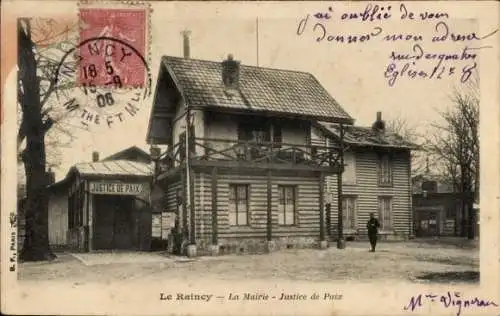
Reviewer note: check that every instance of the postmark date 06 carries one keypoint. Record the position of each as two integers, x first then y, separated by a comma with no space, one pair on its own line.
102,99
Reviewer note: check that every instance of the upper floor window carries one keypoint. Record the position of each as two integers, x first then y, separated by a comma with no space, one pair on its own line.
259,131
317,137
349,174
238,204
384,170
287,205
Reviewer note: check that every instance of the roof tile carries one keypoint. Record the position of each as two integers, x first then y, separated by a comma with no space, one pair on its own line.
114,167
260,89
365,136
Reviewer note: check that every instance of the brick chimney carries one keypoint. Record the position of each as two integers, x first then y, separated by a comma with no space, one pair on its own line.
230,72
95,156
379,124
185,43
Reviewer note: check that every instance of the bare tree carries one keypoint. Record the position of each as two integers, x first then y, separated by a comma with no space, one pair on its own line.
41,43
455,144
408,132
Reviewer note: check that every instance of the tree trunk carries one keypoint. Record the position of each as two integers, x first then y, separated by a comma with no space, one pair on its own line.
36,242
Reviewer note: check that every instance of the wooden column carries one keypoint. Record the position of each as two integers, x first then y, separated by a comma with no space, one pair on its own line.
340,221
269,206
184,203
90,219
328,214
192,209
340,224
321,206
214,207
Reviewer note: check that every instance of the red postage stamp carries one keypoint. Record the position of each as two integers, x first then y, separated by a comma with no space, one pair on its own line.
114,39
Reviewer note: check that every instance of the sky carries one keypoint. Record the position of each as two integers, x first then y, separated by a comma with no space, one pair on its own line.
352,73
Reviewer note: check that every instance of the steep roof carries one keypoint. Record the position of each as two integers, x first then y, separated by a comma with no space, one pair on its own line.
366,136
260,89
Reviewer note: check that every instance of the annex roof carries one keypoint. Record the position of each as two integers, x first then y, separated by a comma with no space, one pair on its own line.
114,168
260,89
366,136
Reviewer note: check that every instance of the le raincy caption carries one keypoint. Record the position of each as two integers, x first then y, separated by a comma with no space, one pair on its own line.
248,296
435,49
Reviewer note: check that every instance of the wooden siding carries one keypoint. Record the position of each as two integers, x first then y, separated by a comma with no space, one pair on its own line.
367,191
307,208
171,196
58,219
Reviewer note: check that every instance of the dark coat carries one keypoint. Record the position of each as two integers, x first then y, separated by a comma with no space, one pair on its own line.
372,226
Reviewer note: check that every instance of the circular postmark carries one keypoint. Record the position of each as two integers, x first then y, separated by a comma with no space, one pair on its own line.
102,81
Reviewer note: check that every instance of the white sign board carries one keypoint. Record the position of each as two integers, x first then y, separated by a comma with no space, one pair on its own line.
156,225
118,188
168,222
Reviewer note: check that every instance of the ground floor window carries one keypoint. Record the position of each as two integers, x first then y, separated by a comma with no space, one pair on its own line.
385,212
238,204
349,212
287,205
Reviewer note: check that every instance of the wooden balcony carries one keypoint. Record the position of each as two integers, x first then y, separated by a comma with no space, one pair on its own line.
225,153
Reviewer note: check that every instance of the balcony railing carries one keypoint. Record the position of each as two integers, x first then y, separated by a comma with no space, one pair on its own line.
223,150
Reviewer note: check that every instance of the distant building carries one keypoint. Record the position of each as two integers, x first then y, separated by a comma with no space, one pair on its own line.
438,209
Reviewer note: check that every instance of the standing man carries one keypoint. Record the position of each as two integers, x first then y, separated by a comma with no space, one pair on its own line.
372,227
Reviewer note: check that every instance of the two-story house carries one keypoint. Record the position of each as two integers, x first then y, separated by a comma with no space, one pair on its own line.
376,179
241,173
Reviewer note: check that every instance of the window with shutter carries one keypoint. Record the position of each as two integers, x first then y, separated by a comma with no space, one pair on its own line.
384,170
349,212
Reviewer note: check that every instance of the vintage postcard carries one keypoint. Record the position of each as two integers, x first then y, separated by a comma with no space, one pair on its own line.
250,158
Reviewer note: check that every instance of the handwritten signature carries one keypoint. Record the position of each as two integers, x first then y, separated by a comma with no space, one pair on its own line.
448,300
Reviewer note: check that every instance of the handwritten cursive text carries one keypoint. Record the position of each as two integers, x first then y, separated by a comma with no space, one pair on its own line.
447,300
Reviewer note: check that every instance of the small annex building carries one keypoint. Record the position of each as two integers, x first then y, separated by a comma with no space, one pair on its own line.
103,204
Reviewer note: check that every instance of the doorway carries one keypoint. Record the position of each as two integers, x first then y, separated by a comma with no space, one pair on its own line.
427,223
114,224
